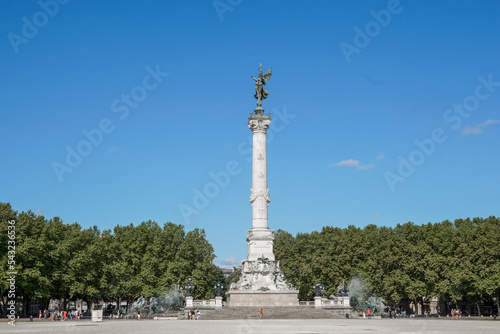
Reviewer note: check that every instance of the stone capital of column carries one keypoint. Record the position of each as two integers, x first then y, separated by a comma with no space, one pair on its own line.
259,125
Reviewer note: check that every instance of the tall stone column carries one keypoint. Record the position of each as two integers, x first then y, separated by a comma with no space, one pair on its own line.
259,237
261,283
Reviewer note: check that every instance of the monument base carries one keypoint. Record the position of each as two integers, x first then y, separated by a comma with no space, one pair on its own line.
261,284
262,298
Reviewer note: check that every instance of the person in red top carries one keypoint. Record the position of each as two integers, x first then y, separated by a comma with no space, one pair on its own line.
368,313
261,313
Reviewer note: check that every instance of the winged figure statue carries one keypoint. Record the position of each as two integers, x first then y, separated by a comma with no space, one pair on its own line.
260,92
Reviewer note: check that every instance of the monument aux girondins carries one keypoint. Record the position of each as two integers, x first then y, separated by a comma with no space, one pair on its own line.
261,283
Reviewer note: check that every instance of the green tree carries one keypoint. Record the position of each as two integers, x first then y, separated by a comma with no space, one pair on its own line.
85,267
194,258
6,215
488,259
34,273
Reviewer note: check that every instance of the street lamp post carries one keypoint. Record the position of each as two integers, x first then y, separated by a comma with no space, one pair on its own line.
319,289
189,287
218,288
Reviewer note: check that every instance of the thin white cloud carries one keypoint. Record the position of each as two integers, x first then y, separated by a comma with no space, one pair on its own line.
41,211
472,131
377,216
488,122
229,262
351,163
380,156
112,149
194,214
475,130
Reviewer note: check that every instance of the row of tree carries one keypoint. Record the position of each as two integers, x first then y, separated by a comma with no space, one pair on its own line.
457,261
452,261
65,261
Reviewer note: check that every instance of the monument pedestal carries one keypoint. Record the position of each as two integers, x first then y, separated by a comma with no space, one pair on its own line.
262,283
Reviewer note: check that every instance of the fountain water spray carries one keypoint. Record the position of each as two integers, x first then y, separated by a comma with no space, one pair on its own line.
168,302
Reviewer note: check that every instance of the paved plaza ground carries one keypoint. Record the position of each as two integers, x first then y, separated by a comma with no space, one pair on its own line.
442,325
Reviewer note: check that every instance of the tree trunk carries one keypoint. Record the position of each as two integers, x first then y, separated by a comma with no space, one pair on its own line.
26,305
4,304
45,304
130,302
498,303
478,309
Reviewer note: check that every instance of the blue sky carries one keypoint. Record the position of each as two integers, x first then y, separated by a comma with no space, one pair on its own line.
383,112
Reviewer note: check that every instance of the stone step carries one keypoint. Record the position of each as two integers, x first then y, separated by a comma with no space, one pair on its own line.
275,312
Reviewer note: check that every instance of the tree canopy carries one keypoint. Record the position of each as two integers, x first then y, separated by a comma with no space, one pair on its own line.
454,261
58,260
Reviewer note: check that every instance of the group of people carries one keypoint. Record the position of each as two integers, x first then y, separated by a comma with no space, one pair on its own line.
58,315
367,313
192,315
456,313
